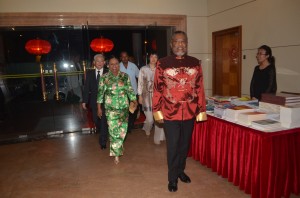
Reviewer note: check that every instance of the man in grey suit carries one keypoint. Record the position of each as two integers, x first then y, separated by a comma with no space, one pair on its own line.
90,97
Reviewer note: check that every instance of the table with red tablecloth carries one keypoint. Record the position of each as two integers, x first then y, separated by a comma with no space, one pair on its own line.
263,164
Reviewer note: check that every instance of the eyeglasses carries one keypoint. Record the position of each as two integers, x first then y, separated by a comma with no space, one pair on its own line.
259,54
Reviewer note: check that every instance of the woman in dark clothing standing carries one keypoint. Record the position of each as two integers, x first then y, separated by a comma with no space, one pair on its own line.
264,75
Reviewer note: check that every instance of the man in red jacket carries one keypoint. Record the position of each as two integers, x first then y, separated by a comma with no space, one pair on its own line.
178,99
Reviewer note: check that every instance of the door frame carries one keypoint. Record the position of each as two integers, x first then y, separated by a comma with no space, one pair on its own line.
238,30
103,19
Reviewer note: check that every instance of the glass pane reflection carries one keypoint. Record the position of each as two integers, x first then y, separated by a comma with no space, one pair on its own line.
23,111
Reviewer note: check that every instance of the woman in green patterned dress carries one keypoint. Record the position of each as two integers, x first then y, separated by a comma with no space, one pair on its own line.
115,92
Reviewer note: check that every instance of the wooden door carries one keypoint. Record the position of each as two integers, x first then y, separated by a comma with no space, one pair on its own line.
227,62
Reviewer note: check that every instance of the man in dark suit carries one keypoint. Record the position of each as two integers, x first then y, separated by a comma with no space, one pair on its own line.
90,97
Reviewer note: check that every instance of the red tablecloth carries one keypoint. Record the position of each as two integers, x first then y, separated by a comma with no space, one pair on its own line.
263,164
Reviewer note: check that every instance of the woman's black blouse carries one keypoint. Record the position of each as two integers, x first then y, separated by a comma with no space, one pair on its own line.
263,81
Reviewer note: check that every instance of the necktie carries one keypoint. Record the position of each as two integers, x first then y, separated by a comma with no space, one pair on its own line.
98,76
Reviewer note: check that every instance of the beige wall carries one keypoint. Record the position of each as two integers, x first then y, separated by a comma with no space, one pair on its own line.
106,6
271,22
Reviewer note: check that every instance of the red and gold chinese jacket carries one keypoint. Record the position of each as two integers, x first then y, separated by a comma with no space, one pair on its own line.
178,92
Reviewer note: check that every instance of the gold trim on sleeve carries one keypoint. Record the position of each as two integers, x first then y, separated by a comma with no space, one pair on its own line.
201,117
158,115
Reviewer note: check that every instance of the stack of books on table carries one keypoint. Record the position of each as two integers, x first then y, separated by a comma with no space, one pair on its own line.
221,101
245,101
247,117
281,99
266,125
272,110
290,116
219,112
232,113
269,107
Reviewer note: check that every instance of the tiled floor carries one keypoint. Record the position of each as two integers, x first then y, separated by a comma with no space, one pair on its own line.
74,166
33,119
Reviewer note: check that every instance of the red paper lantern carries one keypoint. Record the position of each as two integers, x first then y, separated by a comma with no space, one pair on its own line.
102,45
38,46
153,45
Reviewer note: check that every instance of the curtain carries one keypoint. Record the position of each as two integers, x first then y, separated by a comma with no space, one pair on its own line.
263,164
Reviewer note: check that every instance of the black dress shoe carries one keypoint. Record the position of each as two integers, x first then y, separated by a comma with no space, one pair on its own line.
184,178
103,147
172,186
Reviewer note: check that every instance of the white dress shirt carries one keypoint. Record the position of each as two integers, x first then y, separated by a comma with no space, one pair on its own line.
96,72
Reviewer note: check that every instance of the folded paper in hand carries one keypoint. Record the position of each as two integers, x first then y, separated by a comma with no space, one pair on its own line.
132,107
